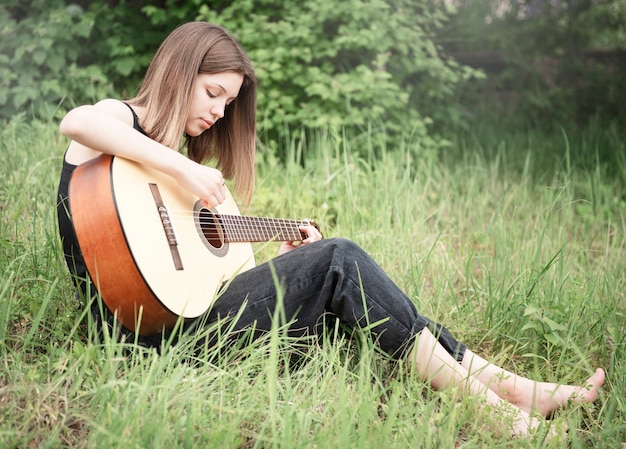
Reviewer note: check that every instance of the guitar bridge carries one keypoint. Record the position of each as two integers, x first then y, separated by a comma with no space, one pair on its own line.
168,226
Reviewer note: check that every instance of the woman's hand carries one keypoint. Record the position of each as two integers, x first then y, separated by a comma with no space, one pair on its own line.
107,127
205,182
313,235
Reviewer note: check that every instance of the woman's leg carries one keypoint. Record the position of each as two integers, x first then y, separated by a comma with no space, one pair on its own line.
527,394
337,277
334,278
477,377
436,366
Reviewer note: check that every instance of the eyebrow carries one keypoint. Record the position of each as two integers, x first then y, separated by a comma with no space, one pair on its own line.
222,88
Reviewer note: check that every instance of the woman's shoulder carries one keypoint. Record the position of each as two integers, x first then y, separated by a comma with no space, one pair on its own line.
115,107
110,106
82,118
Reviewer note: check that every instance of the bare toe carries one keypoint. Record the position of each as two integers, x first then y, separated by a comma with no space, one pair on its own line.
589,392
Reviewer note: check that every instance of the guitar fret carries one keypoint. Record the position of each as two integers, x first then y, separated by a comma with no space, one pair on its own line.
296,231
230,228
264,233
246,232
295,234
288,230
241,228
266,228
278,231
285,229
238,228
253,229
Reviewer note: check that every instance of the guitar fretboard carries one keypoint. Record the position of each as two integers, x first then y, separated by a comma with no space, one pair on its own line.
238,228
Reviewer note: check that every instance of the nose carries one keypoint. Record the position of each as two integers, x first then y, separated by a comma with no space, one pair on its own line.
218,109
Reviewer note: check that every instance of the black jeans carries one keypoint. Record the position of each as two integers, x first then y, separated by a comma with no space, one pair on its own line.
332,278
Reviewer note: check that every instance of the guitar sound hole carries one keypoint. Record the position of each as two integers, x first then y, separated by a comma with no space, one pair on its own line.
210,229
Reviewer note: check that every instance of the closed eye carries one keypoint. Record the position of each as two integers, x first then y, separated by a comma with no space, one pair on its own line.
210,94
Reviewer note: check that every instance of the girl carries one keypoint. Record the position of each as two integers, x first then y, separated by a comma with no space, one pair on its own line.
201,85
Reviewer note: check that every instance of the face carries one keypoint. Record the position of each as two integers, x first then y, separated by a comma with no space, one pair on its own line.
212,93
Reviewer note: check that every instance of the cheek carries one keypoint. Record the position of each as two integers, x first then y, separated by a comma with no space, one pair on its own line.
191,115
199,96
193,107
190,129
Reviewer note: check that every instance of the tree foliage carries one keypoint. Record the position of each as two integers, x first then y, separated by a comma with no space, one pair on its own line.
565,59
346,66
55,52
42,58
321,64
343,64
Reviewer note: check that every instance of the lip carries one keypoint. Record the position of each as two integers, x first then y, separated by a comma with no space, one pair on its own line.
207,123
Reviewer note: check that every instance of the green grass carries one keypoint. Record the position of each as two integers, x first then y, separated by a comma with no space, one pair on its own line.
515,242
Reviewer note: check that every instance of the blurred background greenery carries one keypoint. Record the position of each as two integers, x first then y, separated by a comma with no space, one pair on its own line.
416,68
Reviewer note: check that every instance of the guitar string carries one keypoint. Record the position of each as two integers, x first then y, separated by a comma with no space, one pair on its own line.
244,235
240,228
238,219
227,237
237,222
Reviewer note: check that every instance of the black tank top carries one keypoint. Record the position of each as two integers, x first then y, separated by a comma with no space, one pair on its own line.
71,250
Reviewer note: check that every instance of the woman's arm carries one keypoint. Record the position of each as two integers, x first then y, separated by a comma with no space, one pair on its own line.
107,127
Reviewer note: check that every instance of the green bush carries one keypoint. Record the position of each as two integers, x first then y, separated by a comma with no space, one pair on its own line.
563,60
43,56
349,66
69,53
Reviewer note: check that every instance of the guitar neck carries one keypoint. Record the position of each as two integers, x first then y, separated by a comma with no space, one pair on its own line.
239,228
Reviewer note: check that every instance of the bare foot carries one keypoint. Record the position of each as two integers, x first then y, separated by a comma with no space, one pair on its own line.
545,397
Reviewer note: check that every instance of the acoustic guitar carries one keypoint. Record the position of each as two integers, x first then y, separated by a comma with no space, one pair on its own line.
153,252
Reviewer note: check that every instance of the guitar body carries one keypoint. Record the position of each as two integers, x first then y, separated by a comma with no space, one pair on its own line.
145,246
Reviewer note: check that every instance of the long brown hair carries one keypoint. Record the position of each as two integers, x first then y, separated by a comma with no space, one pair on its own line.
165,93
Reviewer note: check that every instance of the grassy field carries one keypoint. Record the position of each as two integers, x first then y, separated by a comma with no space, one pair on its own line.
515,241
